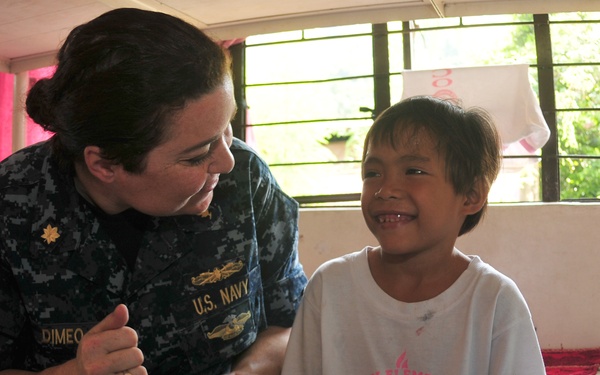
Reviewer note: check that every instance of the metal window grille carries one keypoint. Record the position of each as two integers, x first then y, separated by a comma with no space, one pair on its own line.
380,97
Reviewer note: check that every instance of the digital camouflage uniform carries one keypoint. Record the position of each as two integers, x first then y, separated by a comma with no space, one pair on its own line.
201,290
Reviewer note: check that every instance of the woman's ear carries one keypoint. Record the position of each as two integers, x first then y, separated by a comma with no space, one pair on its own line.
101,168
476,197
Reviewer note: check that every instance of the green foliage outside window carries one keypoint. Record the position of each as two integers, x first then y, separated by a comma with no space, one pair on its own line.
577,89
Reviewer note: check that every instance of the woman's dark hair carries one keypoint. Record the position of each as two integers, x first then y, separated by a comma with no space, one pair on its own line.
118,80
467,141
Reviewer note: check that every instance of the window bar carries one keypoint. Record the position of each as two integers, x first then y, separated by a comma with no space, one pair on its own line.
550,171
238,57
381,68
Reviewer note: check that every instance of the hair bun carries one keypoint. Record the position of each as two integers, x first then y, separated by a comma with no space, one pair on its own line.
40,106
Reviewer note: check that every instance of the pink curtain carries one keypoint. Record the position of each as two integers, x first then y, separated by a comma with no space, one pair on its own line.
34,132
6,108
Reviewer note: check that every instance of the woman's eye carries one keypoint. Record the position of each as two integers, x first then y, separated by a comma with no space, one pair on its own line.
198,160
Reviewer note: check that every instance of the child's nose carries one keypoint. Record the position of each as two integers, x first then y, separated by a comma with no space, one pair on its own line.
390,190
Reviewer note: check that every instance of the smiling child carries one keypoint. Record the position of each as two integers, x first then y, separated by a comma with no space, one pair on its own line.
415,303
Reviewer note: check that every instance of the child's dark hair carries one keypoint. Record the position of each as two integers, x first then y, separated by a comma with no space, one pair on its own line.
466,139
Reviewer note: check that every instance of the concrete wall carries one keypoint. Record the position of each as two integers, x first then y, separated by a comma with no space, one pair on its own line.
552,252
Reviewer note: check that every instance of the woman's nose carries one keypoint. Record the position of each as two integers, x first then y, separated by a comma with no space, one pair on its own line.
223,161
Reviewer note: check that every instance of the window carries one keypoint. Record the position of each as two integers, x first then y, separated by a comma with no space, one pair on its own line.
311,96
576,74
302,89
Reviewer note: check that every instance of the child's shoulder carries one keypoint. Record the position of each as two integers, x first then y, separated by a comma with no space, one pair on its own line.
491,278
343,262
493,285
338,276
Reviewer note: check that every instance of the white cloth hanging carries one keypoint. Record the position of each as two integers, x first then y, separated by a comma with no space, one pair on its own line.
503,90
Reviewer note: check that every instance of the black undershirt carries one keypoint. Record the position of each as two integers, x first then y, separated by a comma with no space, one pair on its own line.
125,229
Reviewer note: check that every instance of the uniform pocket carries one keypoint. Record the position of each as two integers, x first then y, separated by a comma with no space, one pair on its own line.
220,338
228,316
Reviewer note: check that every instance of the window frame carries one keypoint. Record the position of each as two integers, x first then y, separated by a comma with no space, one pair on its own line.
549,157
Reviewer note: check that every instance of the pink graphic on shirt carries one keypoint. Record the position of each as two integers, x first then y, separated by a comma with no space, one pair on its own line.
401,368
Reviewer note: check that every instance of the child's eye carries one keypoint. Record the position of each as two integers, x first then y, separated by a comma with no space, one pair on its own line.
368,174
415,171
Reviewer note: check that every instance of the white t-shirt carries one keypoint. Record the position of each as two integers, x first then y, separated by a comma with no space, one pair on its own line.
348,325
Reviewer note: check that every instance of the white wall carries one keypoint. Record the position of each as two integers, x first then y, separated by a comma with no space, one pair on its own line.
551,251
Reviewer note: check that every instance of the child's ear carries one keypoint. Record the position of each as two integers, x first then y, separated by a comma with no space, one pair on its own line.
103,169
476,197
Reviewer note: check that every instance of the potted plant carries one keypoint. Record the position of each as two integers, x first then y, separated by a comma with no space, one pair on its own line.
336,143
